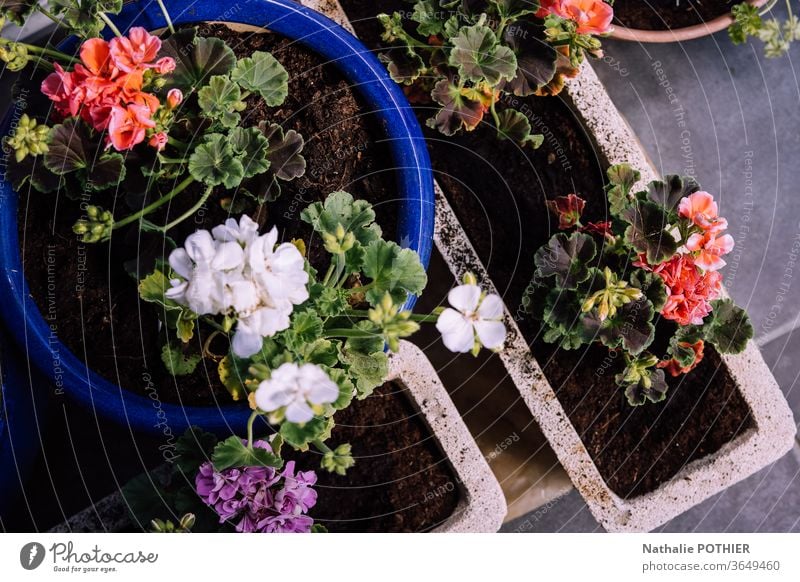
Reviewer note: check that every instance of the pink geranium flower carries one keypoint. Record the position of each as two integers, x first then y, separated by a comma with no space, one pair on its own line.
591,16
689,290
128,126
710,249
158,141
136,51
702,210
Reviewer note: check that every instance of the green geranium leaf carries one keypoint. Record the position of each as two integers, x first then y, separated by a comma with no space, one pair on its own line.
322,351
306,328
652,286
83,16
536,58
214,162
177,362
284,152
404,64
621,178
346,388
221,100
669,192
232,452
393,270
339,208
479,56
729,327
299,436
17,11
153,288
197,59
647,231
427,16
32,170
331,301
233,373
263,74
193,449
458,110
515,8
72,151
251,146
516,127
365,345
567,258
747,22
652,387
631,327
369,370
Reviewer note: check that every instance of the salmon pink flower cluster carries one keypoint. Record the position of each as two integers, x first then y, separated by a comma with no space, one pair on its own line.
590,16
656,262
106,89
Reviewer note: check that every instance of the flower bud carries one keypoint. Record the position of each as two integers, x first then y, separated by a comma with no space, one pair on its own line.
165,65
158,140
174,98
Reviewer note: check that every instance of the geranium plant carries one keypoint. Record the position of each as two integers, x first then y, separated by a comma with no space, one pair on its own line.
142,120
471,57
302,346
751,21
645,284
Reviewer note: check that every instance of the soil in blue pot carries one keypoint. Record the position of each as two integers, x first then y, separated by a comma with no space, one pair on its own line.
94,298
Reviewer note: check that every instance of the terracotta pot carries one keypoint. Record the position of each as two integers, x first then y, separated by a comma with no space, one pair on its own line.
678,34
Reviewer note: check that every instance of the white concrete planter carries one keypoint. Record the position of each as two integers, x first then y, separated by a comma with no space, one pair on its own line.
482,506
774,430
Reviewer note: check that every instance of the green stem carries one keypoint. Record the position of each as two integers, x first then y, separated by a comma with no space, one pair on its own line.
153,205
418,317
166,160
214,324
361,289
181,145
495,116
322,447
350,333
328,275
110,24
190,212
49,14
39,50
166,16
250,422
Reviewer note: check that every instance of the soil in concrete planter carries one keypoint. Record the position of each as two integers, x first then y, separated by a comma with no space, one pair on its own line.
90,298
401,481
668,14
498,193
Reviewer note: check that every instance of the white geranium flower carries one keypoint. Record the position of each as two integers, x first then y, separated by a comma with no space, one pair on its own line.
297,389
473,320
280,269
238,273
245,231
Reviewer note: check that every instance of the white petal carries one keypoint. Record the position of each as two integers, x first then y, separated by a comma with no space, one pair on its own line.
200,247
270,396
229,256
492,334
457,332
491,307
181,263
242,296
465,297
269,320
177,292
299,411
246,342
320,389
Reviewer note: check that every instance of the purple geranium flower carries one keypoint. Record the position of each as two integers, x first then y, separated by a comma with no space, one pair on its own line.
259,499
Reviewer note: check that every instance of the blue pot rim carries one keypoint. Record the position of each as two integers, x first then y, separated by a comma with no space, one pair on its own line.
415,223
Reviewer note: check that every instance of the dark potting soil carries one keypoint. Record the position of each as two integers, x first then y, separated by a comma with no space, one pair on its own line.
498,192
91,301
668,14
401,481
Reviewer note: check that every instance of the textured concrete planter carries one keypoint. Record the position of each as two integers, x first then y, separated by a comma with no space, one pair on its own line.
482,507
775,429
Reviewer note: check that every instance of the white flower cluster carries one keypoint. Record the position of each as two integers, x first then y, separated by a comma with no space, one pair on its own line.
234,271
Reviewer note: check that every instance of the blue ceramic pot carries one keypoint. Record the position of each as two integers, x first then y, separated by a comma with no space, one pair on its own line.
23,404
415,190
